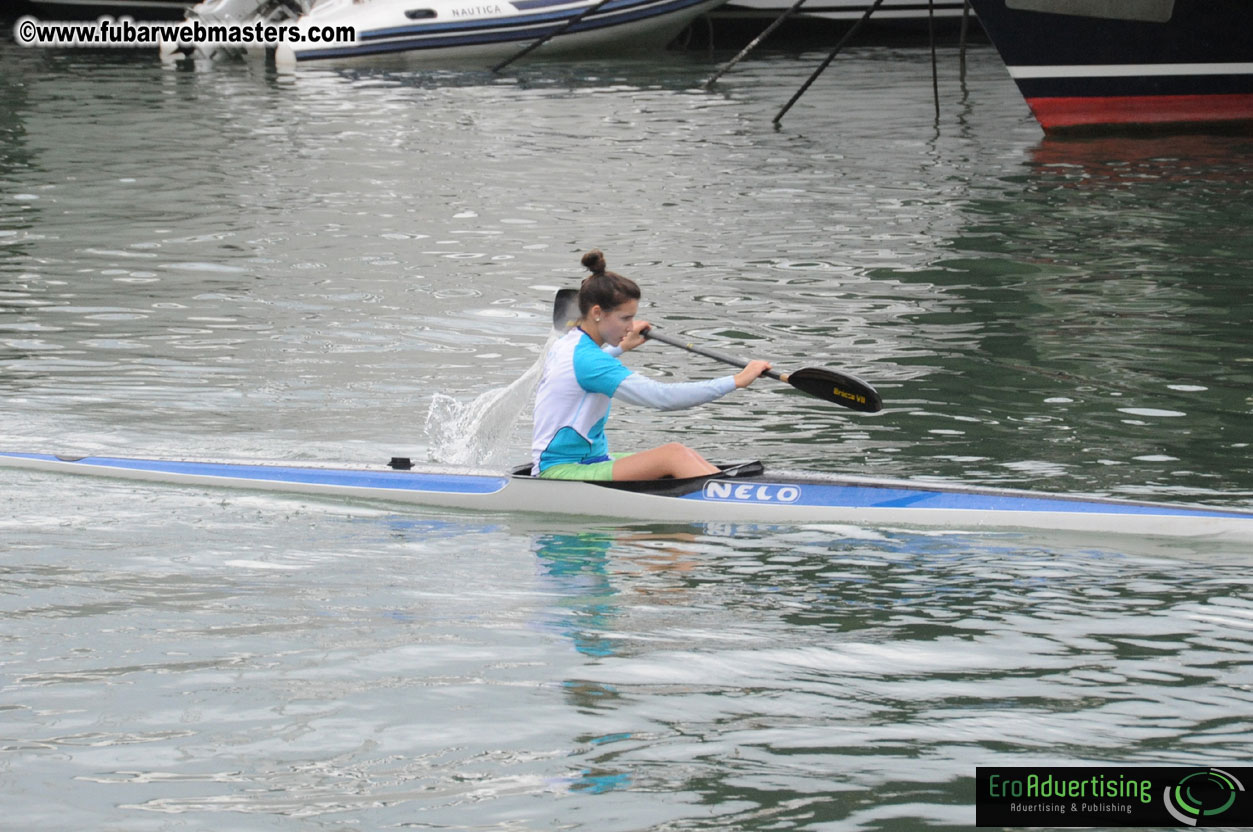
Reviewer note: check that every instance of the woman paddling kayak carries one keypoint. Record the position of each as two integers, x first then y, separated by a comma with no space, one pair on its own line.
582,374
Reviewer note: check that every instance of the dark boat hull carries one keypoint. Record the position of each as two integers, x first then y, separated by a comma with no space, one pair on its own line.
1182,62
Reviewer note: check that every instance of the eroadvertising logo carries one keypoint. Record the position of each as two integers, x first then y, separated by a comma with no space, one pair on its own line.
1113,796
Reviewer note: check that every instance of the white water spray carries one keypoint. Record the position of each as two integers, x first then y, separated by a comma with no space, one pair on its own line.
481,432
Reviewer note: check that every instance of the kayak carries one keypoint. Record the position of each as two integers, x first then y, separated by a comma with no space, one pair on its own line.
746,492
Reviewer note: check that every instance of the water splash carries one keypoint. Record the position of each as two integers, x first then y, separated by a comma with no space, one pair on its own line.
481,432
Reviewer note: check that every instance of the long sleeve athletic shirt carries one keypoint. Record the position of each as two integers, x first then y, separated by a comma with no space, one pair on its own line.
574,393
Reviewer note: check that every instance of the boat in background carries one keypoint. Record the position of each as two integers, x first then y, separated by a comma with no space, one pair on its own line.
1093,65
745,492
458,32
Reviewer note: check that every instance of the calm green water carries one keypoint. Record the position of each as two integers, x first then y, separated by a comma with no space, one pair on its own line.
229,264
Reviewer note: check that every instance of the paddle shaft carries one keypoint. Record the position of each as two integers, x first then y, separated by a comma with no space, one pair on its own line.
708,353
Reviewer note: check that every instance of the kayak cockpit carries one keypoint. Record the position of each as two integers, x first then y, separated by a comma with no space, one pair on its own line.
669,486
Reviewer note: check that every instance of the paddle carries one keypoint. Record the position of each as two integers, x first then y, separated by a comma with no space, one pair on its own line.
838,388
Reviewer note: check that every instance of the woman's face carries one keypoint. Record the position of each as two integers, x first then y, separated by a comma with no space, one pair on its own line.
616,323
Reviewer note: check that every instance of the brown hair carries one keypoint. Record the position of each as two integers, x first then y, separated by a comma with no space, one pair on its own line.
604,289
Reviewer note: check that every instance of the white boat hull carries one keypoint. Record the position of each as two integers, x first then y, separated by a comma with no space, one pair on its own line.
761,498
450,32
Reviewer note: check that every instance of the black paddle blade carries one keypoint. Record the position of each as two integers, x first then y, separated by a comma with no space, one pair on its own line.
838,388
566,309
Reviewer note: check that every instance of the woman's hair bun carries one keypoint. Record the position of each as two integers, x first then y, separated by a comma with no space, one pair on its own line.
604,288
594,261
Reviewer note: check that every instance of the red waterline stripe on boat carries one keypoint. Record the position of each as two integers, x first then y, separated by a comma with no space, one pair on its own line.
1093,111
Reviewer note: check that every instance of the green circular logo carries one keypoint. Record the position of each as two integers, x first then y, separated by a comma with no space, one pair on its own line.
1202,795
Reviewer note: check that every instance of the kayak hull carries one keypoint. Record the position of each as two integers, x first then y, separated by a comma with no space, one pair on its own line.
758,497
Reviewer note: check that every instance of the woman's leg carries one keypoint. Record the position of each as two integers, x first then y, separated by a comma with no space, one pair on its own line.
673,460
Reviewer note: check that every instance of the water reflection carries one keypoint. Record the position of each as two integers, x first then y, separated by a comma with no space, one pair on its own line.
1122,161
576,566
579,569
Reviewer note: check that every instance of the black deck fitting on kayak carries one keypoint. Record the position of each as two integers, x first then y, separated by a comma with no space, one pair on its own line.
400,463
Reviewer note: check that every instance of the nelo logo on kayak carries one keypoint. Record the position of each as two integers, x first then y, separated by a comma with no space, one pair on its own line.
751,492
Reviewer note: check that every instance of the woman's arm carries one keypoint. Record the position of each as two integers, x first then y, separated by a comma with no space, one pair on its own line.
645,392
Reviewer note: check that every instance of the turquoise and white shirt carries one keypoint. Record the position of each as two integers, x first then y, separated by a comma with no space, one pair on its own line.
574,393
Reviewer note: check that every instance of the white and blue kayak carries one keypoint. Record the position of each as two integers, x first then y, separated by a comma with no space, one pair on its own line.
743,493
